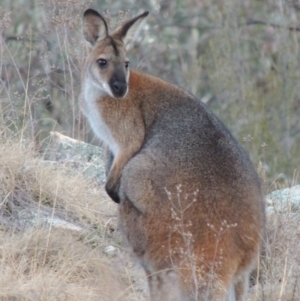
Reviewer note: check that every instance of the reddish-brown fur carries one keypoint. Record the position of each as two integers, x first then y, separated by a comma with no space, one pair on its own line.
191,205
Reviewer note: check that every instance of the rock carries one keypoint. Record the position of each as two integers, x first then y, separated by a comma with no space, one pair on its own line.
79,156
35,217
89,171
284,200
111,250
62,148
280,260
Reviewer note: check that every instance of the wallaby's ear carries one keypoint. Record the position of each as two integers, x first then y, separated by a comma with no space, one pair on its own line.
127,31
94,26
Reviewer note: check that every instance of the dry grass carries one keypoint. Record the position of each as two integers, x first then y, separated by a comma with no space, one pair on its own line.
54,264
280,264
26,180
47,263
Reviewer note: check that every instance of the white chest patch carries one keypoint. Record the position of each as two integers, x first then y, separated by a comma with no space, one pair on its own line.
91,95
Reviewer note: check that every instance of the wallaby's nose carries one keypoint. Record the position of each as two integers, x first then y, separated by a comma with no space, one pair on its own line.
119,88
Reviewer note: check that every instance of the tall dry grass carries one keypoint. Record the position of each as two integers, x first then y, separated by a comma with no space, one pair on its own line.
52,264
43,261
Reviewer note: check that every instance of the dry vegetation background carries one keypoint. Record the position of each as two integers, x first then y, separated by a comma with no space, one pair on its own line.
241,57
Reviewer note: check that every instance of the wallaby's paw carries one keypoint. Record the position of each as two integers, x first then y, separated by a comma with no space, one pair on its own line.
112,190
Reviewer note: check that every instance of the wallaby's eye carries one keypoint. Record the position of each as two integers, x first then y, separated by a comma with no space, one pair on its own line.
102,63
126,65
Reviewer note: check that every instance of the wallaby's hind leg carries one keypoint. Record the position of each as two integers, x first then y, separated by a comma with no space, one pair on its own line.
241,288
163,286
231,293
175,285
213,294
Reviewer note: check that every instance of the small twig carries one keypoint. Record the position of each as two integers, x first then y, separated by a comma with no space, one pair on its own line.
190,26
19,39
259,22
247,23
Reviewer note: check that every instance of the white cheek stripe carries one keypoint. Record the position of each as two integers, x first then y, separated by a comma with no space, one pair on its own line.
95,79
107,89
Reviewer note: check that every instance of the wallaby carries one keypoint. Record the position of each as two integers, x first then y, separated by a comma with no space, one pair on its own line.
191,206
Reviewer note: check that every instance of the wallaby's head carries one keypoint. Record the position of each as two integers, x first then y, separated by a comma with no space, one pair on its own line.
107,65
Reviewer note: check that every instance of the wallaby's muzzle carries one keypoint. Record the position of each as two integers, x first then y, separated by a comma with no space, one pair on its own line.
119,89
118,84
